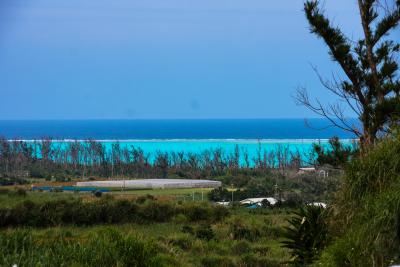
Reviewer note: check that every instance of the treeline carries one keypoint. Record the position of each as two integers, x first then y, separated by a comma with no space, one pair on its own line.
86,159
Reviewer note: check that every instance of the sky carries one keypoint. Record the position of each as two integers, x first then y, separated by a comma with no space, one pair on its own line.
161,59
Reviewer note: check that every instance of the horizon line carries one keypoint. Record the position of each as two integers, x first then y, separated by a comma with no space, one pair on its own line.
166,119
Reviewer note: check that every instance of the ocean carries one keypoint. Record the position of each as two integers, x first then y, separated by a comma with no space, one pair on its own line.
189,136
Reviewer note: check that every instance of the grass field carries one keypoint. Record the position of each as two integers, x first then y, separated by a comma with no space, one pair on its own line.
186,194
245,238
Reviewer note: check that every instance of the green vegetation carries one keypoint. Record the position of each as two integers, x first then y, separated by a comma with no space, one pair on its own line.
169,233
336,155
107,247
105,210
365,215
363,220
88,160
369,82
307,234
361,226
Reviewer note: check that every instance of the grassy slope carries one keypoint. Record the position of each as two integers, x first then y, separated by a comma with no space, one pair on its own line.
365,221
260,248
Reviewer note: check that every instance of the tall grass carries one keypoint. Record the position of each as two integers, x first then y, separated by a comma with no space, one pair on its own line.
365,218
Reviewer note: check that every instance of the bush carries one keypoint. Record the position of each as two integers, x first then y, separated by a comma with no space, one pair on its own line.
97,193
142,199
252,260
182,241
240,230
157,211
241,247
217,261
337,155
188,229
219,194
103,211
292,201
307,234
205,232
365,219
204,212
19,192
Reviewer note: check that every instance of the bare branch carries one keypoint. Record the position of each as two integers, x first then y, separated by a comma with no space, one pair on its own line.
333,113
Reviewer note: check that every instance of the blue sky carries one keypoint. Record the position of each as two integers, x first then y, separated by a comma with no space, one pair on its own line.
164,59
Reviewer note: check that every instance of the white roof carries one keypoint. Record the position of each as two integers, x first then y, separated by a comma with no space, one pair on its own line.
317,204
257,200
153,183
224,203
307,169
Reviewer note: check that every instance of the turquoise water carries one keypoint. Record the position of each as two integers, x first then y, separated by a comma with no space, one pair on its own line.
251,147
188,136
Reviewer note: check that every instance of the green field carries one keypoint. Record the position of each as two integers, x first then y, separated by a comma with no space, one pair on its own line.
174,192
244,238
185,194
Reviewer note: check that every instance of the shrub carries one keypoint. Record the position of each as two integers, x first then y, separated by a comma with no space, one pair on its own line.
204,212
252,260
187,229
217,261
20,192
4,191
205,232
337,155
157,211
241,247
307,234
142,199
97,193
182,241
219,194
240,230
365,219
197,212
106,210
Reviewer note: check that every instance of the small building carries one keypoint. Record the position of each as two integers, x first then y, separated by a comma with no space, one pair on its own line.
304,170
258,201
317,204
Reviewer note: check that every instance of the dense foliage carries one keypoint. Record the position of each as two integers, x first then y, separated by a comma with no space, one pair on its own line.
105,211
192,238
294,190
307,234
365,216
370,86
336,155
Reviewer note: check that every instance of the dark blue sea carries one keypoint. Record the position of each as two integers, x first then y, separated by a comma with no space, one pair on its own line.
170,129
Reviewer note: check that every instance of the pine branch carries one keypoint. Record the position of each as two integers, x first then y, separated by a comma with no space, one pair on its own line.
337,43
388,23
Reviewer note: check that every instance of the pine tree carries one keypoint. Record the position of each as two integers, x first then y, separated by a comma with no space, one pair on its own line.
371,85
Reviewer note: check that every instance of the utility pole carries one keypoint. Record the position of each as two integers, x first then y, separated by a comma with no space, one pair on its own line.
123,183
232,195
276,193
